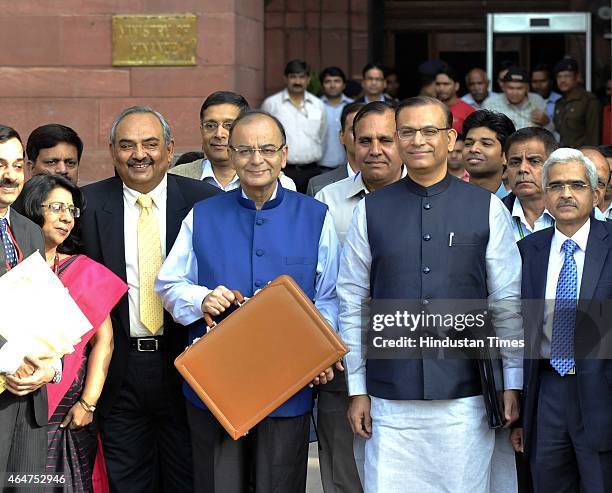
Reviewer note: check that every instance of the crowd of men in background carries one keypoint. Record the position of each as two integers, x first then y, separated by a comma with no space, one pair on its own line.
340,151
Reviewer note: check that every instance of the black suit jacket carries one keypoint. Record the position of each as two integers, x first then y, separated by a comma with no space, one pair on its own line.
594,375
29,239
103,241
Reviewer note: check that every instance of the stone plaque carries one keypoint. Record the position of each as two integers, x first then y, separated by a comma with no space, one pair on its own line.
154,40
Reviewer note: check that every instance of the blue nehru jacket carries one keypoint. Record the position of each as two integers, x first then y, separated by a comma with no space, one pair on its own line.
411,260
241,247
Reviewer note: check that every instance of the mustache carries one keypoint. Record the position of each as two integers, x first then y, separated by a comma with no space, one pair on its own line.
563,202
8,183
139,162
518,182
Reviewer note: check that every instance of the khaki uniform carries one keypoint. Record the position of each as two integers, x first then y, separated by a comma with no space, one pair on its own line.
577,119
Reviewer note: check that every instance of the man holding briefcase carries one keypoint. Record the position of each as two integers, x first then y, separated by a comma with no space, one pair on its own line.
243,239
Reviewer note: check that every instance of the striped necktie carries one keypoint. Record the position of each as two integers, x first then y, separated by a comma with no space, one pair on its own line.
10,251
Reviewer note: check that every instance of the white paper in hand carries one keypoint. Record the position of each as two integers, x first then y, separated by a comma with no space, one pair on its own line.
39,316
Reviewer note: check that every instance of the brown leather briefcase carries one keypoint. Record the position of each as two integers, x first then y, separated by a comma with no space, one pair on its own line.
258,357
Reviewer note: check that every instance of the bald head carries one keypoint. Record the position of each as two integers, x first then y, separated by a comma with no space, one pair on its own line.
603,174
478,84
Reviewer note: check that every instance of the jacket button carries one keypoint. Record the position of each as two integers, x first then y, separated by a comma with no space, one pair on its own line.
427,237
426,270
259,252
259,221
258,284
427,206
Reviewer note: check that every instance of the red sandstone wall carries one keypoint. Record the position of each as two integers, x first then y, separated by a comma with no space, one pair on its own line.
55,66
322,32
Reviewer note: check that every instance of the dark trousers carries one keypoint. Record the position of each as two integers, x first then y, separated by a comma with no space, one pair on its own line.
563,462
273,457
145,435
302,174
23,444
336,459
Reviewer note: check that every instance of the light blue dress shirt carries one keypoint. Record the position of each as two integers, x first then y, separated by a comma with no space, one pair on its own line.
333,151
503,268
177,281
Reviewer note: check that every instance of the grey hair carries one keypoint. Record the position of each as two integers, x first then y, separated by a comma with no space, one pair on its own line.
565,155
140,109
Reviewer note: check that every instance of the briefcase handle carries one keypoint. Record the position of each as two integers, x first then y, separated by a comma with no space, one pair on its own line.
239,301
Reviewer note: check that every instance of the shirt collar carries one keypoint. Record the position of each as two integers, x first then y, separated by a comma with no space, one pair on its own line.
517,211
430,191
308,98
7,216
157,194
359,187
349,170
208,172
344,99
580,237
520,106
275,199
368,100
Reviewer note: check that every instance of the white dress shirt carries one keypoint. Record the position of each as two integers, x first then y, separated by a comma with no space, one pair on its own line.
305,126
555,262
208,175
334,153
349,170
521,227
503,272
177,282
469,99
341,197
131,213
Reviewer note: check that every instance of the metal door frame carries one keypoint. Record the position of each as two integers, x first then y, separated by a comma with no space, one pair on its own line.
538,23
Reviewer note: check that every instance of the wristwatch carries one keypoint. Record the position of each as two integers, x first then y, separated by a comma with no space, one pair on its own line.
57,376
85,405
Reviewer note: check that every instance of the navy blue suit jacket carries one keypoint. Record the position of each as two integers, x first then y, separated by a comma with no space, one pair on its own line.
594,375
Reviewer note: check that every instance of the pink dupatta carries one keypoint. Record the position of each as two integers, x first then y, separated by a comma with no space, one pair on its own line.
96,290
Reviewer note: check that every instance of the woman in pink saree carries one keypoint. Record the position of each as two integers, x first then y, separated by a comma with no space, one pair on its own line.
54,203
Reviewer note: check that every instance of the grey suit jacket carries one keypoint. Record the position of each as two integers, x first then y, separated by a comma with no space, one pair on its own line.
29,239
316,183
190,170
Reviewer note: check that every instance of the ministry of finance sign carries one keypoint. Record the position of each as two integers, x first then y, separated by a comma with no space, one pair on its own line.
140,40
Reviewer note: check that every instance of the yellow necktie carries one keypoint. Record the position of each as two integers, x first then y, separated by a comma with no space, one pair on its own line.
149,263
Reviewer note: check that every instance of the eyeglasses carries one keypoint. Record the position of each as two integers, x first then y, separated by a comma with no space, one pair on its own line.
58,207
375,79
210,127
245,152
53,163
408,133
574,186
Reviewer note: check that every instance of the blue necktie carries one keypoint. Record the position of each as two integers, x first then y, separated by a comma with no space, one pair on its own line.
9,249
564,319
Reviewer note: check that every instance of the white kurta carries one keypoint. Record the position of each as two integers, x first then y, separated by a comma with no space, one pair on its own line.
429,447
